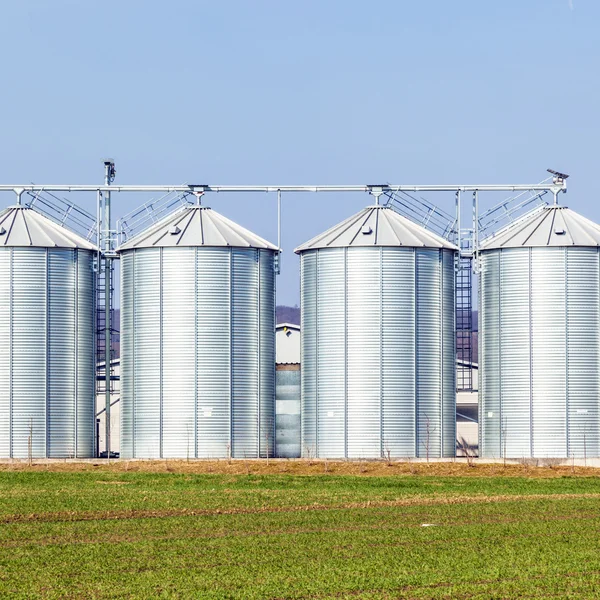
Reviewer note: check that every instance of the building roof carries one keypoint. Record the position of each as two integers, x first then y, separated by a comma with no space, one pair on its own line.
288,325
24,227
376,226
196,226
546,226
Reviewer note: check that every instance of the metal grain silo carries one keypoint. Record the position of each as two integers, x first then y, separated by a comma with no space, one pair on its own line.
197,339
539,337
378,340
47,336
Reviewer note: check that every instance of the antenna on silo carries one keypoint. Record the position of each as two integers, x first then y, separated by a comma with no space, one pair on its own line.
558,179
558,176
109,170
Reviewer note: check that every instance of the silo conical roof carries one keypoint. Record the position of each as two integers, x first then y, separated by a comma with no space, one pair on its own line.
196,226
546,226
376,226
23,226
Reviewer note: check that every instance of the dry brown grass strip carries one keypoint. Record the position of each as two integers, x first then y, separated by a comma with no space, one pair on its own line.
362,468
110,515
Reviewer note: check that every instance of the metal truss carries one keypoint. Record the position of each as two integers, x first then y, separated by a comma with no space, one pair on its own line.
423,212
151,212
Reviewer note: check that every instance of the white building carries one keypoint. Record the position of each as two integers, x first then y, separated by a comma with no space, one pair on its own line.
287,390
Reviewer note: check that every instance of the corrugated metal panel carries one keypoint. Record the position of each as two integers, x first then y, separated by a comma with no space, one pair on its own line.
489,356
85,298
5,350
548,352
583,352
147,368
448,324
213,351
61,344
245,353
376,226
364,372
374,332
178,352
127,357
514,416
330,410
267,353
398,348
29,354
309,352
203,351
46,361
429,353
539,343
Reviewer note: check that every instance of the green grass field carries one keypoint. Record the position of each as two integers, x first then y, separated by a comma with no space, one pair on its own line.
108,533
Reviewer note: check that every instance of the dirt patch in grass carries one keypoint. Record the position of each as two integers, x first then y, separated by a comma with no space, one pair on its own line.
308,467
113,482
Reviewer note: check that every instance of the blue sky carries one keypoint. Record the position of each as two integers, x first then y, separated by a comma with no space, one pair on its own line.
278,92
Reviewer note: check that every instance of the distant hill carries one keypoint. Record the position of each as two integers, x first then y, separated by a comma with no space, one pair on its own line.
288,314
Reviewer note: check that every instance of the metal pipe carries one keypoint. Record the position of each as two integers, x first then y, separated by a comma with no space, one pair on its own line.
458,220
467,418
476,231
278,218
99,199
112,404
283,188
108,175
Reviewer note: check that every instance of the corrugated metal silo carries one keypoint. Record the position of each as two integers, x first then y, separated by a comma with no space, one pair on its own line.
378,340
539,337
47,336
197,339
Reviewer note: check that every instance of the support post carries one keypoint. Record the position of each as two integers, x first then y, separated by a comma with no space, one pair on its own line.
109,176
476,232
278,232
458,220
